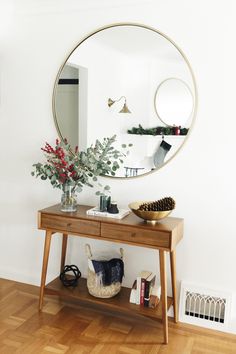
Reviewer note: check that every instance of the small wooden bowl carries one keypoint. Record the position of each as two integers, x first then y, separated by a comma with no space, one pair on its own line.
148,216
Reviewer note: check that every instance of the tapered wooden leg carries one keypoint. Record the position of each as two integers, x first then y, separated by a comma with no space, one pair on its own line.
47,243
63,250
173,281
162,255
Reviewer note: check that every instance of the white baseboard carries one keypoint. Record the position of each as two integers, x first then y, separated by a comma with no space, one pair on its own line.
23,277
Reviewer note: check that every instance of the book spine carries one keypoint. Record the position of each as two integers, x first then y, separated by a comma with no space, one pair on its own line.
138,292
142,291
148,288
147,294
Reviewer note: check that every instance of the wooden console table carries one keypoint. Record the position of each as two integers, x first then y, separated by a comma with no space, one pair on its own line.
163,236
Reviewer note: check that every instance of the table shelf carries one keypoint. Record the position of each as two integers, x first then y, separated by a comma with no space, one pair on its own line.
120,302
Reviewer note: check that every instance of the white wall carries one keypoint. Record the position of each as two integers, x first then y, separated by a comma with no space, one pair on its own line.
35,38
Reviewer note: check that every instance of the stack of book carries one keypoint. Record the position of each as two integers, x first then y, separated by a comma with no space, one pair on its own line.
144,292
96,212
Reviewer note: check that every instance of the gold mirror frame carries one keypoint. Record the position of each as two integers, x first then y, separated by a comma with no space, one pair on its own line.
195,95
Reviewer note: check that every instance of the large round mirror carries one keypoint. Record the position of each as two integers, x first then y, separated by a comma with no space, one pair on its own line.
174,103
107,86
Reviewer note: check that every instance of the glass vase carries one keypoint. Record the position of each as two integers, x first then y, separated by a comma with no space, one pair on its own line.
104,202
68,199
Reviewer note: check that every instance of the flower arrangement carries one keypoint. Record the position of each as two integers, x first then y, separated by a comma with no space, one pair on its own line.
66,168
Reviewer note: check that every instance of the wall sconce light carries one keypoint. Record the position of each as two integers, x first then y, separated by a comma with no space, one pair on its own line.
124,109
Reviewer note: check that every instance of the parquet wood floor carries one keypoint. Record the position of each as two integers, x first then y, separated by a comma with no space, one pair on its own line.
67,328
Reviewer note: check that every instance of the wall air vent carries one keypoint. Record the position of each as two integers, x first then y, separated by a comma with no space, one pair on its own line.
204,307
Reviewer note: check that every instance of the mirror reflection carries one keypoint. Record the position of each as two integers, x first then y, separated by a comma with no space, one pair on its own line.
179,112
128,61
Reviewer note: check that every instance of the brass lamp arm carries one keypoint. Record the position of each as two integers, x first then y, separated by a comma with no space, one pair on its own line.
110,101
120,99
124,109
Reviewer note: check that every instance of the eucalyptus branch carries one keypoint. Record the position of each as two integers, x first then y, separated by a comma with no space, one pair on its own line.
78,168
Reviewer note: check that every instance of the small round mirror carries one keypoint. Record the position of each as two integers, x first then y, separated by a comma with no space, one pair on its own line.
174,103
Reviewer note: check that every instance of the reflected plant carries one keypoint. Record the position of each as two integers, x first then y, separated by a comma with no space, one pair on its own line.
160,130
64,167
104,190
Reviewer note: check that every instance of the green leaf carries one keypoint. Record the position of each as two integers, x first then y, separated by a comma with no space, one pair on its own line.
53,178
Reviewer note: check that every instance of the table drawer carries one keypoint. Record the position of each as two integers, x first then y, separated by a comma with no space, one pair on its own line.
61,223
136,235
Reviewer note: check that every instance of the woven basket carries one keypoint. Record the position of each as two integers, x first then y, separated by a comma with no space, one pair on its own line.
95,288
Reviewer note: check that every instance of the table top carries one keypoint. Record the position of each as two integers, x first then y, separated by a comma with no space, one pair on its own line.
168,224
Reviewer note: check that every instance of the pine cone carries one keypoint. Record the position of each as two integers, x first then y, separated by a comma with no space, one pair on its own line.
163,204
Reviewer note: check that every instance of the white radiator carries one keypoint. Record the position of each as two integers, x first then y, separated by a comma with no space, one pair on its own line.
204,307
